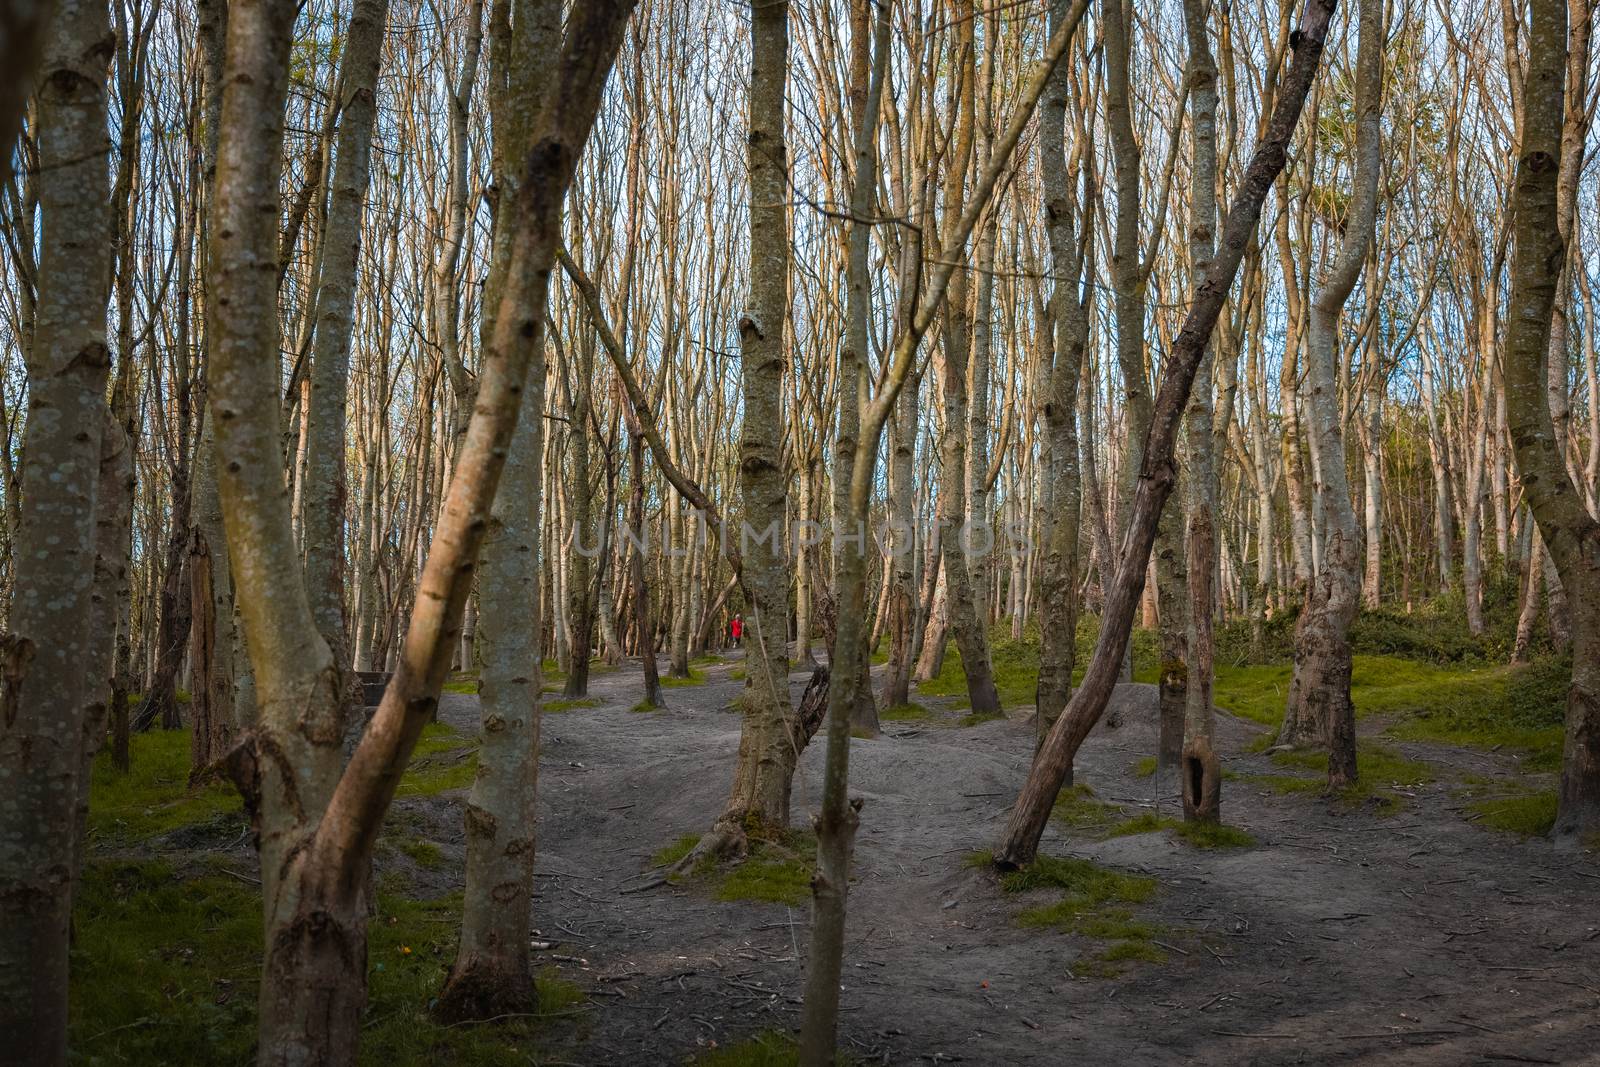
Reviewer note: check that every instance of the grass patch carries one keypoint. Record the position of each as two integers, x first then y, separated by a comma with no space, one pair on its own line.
674,852
775,873
770,1048
443,760
736,674
154,797
1213,835
1384,775
556,707
644,707
905,713
1016,670
1086,884
1094,904
423,853
166,966
1528,814
1145,767
978,720
695,678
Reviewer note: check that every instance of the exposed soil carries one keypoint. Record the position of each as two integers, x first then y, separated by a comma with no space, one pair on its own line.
1343,936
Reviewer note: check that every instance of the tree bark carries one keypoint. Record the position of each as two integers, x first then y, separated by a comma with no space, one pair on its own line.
1320,710
1020,842
1570,533
50,659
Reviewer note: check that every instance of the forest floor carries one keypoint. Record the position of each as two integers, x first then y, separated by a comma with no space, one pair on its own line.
1382,926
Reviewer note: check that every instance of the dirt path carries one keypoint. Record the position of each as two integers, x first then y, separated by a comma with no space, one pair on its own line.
1342,936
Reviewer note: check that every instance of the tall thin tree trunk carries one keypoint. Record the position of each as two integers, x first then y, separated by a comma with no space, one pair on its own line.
1019,844
51,657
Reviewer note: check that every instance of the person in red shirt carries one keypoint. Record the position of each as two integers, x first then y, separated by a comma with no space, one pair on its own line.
736,628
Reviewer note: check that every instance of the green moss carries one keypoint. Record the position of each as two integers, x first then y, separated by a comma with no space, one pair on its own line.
1016,670
978,720
443,760
736,674
905,713
1086,884
695,678
166,964
1384,776
1213,835
674,852
1145,768
1132,950
556,707
163,969
776,871
154,797
644,707
1254,693
1528,814
772,881
423,853
771,1048
881,655
1095,820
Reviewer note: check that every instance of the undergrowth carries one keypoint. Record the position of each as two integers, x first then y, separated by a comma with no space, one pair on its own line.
777,870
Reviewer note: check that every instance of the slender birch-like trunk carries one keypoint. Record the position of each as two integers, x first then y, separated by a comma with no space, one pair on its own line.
1020,842
52,655
1320,710
1571,534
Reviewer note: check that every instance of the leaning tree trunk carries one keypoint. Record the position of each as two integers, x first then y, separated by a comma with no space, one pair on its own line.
1570,533
1020,842
51,656
318,826
1320,710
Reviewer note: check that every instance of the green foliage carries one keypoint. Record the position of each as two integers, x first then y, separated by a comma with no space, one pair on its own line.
1528,814
443,760
154,797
